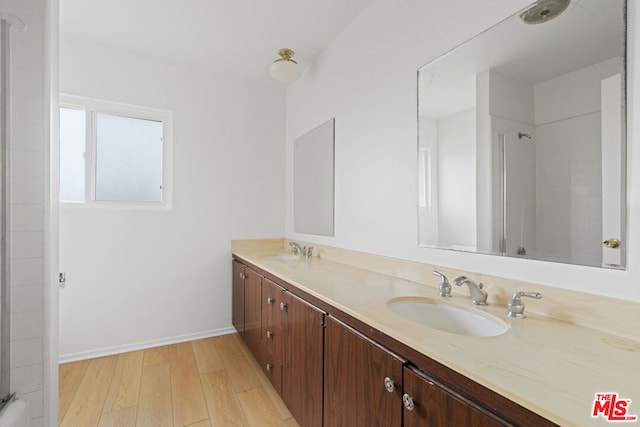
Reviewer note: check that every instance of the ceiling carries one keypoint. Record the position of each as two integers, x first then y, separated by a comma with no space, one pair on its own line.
588,32
230,36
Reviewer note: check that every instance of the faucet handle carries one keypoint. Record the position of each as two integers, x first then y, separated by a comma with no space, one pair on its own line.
444,288
440,275
307,252
515,306
294,247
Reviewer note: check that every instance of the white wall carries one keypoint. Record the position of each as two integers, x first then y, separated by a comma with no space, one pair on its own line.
28,126
510,98
366,79
142,277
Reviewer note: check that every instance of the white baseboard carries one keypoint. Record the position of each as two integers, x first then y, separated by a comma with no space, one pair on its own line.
108,351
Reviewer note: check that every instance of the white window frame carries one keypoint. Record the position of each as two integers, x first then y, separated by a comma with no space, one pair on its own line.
92,107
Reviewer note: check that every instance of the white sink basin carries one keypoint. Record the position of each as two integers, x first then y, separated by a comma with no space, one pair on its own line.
282,257
447,318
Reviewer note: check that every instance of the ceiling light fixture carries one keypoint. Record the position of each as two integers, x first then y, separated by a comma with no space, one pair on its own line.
285,69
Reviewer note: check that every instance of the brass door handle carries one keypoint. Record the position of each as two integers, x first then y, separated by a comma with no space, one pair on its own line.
611,243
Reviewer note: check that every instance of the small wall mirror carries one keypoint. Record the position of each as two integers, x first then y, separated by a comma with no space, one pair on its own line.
522,145
313,181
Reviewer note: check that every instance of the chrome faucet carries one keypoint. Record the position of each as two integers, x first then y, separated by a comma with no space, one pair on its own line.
478,296
307,252
444,288
515,306
295,248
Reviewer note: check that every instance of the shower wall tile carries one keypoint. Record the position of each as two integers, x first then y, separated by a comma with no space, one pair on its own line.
28,144
27,109
26,379
25,272
27,244
26,352
27,325
35,400
27,191
26,298
24,8
33,34
29,82
26,59
27,163
27,217
27,137
569,187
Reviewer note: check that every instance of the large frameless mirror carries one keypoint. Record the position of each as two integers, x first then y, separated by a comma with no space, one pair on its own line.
522,142
313,181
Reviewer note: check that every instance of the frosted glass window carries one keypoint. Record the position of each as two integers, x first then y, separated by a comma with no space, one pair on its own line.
72,154
128,159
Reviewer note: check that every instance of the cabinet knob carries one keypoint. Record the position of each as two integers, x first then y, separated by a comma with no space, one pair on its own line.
270,300
283,306
269,367
269,334
389,385
407,401
243,276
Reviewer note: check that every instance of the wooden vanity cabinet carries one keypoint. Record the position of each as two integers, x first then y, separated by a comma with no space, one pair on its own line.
362,381
253,312
330,369
366,384
272,332
302,367
237,297
427,403
286,336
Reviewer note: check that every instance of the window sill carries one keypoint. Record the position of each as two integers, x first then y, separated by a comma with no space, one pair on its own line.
123,206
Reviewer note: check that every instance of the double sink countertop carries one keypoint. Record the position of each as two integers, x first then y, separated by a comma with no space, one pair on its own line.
548,366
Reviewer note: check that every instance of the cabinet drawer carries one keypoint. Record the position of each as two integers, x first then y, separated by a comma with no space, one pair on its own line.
427,403
271,299
272,368
272,338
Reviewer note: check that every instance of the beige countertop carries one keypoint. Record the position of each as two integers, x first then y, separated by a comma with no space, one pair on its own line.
550,367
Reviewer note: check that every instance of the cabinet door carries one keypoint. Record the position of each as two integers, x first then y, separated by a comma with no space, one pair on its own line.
253,312
435,406
272,333
355,390
237,297
302,360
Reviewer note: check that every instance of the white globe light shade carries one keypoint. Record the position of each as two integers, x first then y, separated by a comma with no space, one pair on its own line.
284,71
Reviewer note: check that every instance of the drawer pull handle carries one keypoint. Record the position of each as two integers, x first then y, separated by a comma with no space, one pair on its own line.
389,385
407,401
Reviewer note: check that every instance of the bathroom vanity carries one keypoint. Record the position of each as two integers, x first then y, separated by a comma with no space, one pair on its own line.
325,336
332,370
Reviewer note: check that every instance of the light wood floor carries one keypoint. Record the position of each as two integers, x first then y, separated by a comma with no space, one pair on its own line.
209,382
